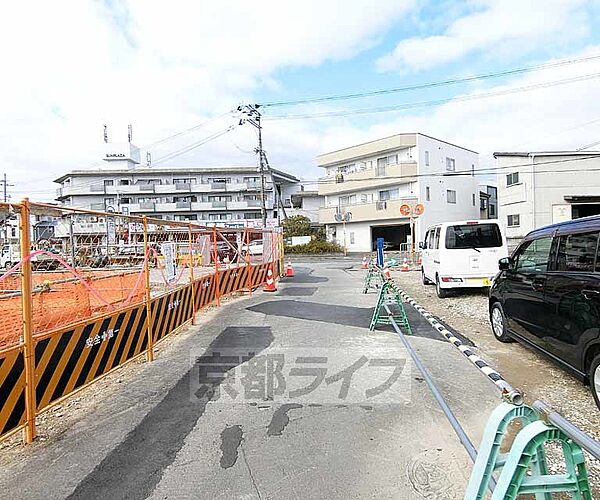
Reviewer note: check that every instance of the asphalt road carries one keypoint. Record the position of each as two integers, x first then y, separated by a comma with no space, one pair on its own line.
319,408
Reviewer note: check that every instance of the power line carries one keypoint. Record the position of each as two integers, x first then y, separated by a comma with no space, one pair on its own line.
420,104
469,172
422,86
168,156
194,145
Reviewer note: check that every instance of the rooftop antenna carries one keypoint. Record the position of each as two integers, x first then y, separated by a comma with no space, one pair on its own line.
129,132
105,133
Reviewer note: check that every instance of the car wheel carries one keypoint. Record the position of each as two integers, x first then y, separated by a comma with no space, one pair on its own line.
442,293
498,321
594,375
425,279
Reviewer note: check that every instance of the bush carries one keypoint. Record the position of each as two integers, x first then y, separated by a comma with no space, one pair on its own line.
316,247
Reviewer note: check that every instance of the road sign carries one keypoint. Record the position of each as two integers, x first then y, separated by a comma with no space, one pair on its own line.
418,209
405,209
347,216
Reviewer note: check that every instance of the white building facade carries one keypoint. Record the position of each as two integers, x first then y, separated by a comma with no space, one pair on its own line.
205,195
371,181
536,189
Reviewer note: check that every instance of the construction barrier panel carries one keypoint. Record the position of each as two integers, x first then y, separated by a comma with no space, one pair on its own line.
85,292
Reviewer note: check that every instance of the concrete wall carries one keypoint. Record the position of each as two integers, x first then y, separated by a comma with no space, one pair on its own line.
533,197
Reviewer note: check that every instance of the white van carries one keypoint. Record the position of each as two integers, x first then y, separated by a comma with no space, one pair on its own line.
462,254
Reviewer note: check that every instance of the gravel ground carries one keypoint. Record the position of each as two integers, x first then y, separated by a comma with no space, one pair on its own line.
526,370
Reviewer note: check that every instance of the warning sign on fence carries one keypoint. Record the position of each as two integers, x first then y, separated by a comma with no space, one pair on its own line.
168,251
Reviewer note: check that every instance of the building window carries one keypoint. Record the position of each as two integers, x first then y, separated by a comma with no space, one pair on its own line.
109,182
426,158
125,201
124,182
427,193
185,180
363,198
513,220
482,203
451,196
392,160
384,195
492,210
473,199
380,169
450,164
512,179
352,237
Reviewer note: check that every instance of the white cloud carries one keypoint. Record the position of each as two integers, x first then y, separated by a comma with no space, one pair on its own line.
555,118
71,66
495,29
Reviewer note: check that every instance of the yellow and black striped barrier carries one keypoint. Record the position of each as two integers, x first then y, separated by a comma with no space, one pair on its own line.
68,359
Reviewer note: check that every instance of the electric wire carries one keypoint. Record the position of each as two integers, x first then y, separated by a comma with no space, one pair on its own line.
422,86
436,102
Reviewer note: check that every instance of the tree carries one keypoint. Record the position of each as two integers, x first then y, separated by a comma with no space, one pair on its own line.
297,225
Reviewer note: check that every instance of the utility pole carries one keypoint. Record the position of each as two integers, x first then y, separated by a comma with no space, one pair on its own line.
5,184
253,118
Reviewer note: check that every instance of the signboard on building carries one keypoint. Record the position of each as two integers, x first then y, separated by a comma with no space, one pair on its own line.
169,253
561,213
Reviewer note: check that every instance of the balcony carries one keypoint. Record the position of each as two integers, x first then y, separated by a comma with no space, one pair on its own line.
218,186
146,188
219,204
367,179
377,211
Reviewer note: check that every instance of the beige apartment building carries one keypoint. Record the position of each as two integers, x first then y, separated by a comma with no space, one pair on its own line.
368,183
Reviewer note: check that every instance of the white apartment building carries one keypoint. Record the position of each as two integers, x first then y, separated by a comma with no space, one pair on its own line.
206,195
543,187
373,180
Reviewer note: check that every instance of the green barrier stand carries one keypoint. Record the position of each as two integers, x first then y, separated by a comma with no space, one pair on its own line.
373,279
489,458
524,468
388,296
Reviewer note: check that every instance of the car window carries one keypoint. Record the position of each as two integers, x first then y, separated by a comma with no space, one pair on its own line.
436,238
473,236
533,256
577,252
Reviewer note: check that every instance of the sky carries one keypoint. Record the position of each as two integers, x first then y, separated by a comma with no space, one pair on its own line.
71,66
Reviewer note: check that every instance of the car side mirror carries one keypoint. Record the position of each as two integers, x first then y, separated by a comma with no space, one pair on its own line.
421,245
505,264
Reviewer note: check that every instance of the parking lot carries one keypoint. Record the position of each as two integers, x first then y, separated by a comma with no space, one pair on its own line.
526,370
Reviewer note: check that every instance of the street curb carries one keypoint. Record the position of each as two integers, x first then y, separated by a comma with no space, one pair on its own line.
513,394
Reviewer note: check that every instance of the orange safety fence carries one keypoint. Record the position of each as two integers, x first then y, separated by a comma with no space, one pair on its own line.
103,289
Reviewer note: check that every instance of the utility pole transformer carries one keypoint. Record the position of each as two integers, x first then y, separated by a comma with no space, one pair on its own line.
253,117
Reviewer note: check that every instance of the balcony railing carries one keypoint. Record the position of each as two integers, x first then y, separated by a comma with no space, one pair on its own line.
219,204
183,204
376,211
368,179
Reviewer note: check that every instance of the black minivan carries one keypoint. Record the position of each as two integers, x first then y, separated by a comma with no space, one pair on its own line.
547,295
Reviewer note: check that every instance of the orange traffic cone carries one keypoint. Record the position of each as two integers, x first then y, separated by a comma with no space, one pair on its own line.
386,272
404,267
365,263
289,270
270,286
